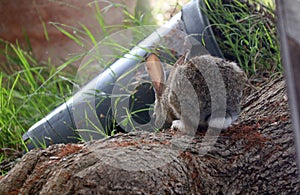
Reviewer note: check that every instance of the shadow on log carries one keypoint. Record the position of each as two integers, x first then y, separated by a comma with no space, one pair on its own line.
255,155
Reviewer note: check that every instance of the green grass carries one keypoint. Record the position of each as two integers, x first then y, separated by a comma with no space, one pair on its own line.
26,95
30,89
246,33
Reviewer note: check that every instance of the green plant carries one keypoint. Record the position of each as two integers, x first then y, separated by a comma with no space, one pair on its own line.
28,94
246,33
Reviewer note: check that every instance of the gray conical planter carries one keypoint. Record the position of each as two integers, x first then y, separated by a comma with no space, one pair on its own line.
60,125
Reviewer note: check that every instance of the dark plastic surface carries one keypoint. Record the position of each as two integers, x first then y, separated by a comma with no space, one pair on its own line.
197,24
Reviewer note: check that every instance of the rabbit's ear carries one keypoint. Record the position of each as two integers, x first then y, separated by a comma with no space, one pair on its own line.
181,60
156,73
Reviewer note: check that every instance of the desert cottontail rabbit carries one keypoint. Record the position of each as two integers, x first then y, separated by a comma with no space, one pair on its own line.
199,92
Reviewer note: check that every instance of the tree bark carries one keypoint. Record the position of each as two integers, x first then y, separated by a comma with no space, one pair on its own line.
255,155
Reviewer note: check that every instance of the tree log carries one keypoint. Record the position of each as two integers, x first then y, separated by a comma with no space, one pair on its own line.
255,155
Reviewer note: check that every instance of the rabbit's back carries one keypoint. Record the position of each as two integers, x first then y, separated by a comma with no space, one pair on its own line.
217,83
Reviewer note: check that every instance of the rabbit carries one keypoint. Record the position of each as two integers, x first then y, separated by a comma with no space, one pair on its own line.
202,92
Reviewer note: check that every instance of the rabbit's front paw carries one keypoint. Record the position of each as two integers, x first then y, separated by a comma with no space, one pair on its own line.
178,125
183,128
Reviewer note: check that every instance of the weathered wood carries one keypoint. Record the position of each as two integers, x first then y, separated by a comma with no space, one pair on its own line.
255,155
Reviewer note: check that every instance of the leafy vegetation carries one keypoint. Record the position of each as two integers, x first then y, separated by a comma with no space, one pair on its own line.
26,95
246,33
